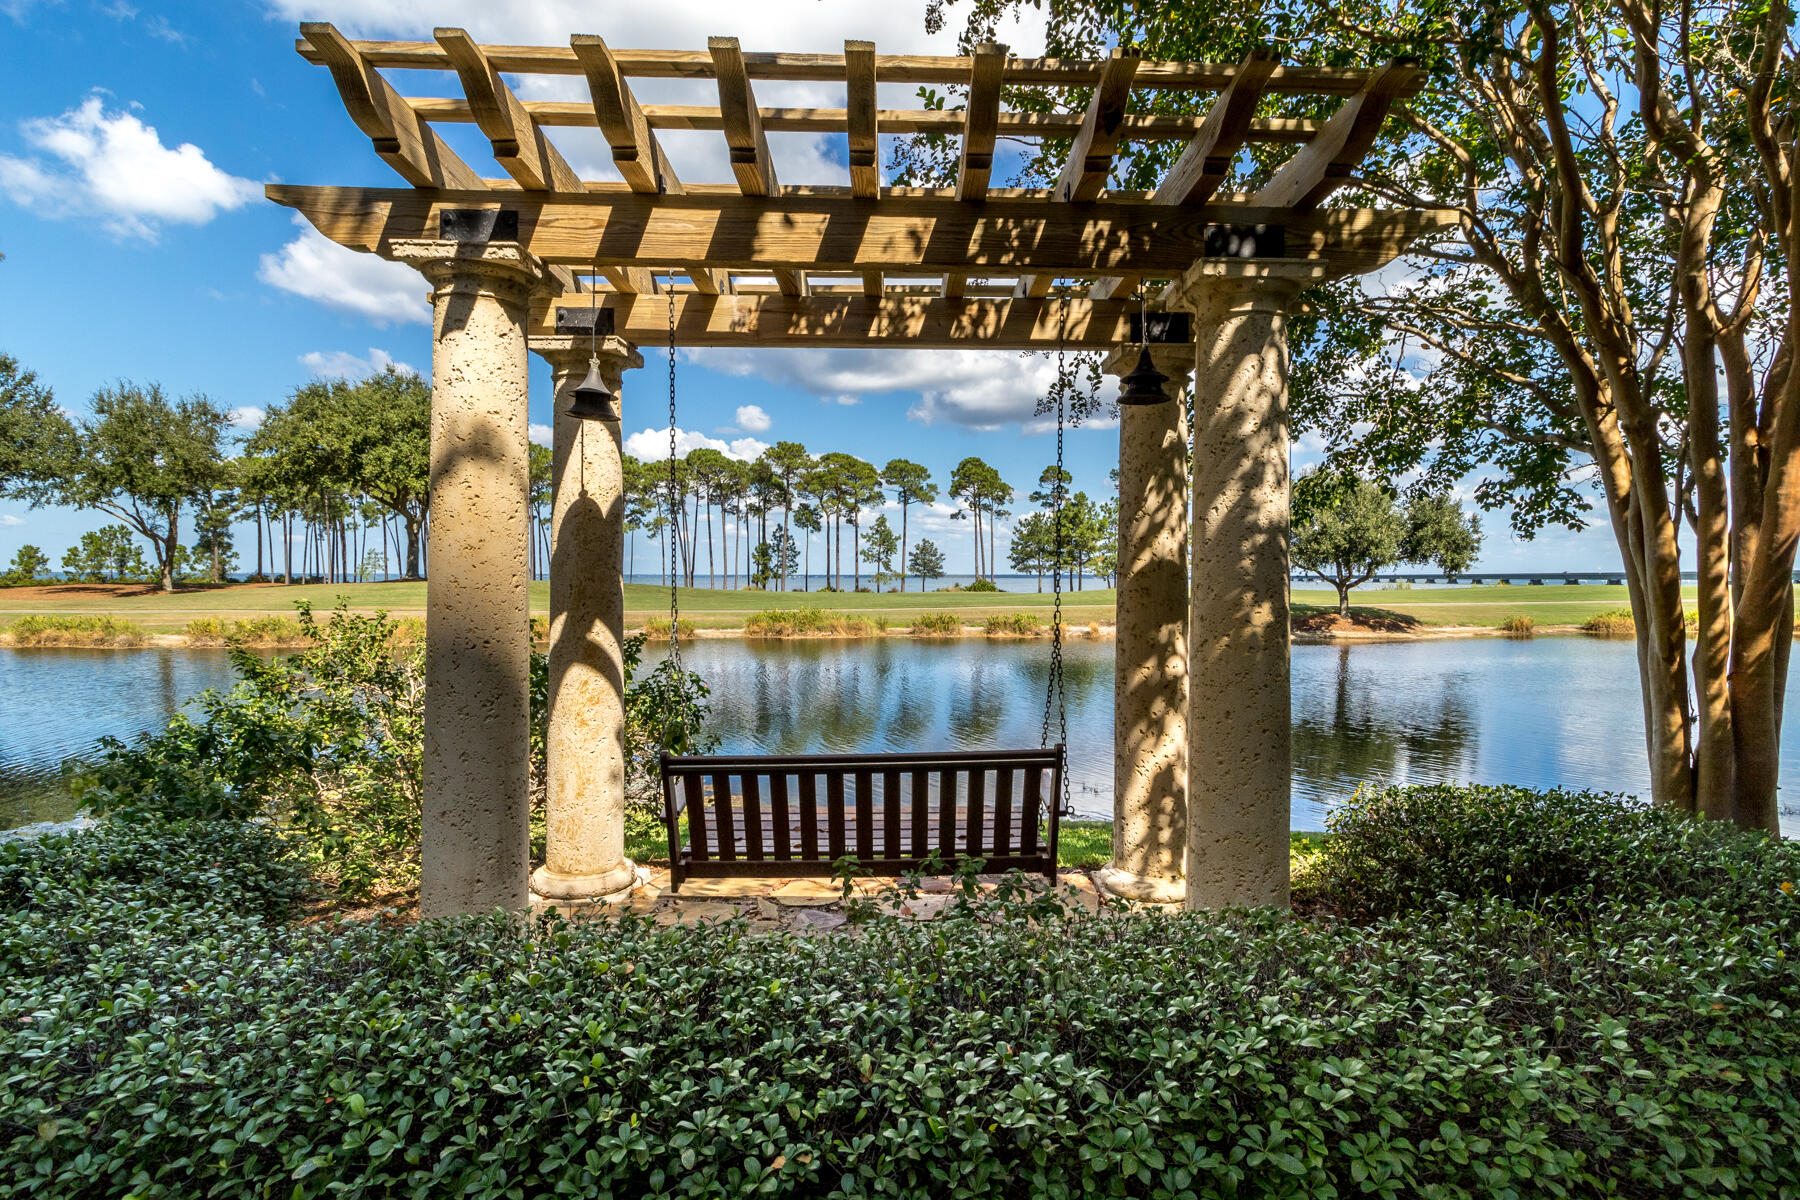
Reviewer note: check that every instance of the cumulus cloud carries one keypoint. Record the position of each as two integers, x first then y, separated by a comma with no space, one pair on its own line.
541,434
93,161
349,280
752,419
341,364
980,389
10,521
246,417
652,444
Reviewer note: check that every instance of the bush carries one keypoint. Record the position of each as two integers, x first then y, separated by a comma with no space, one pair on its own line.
254,631
806,622
327,744
77,631
1519,626
162,1044
1614,623
981,585
940,624
657,628
1015,625
1398,850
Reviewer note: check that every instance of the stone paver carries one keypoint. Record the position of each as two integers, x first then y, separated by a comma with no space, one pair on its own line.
807,893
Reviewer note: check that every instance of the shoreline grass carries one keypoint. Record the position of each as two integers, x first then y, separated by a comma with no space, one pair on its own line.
68,630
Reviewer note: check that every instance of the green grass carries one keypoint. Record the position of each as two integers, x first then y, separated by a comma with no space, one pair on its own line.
1565,605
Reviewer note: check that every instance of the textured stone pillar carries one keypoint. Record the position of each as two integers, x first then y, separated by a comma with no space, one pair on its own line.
1240,753
1150,668
584,744
476,840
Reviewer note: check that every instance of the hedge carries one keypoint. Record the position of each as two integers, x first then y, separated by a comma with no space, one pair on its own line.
164,1031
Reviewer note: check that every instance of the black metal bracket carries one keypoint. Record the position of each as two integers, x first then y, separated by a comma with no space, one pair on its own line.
1166,328
1246,241
585,322
479,225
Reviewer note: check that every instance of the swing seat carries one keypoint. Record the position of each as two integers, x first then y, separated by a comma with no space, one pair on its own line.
762,816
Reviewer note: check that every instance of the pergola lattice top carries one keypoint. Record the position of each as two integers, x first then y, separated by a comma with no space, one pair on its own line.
759,262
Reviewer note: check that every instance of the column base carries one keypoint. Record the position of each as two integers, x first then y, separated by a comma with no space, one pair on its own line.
612,885
1145,889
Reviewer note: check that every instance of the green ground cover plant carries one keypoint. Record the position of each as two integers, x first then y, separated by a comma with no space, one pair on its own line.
76,630
1015,625
809,622
166,1032
246,631
941,624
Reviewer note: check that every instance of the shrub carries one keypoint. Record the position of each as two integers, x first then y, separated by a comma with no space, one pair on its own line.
940,624
657,628
1519,625
252,631
981,585
77,631
1015,625
327,744
1395,850
163,1044
1615,623
806,622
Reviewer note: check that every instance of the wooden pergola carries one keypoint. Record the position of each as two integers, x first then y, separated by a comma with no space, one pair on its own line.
526,258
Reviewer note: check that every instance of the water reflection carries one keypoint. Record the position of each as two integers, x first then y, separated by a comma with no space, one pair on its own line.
1543,713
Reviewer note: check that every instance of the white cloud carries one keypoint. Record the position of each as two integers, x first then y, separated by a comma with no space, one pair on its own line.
159,27
652,444
543,435
752,419
112,165
246,417
981,389
341,364
319,269
10,521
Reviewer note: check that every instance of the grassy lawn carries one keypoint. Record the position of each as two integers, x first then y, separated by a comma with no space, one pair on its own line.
1554,604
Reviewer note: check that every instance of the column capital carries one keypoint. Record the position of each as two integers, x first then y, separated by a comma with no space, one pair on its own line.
573,349
1174,359
1215,288
503,268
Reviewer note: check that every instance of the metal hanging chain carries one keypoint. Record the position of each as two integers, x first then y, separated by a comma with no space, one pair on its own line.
674,510
1053,688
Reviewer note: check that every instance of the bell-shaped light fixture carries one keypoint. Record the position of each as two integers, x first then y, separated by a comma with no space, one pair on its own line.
592,401
1145,383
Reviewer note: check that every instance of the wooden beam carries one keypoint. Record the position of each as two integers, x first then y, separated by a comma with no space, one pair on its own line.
751,161
1133,127
1206,162
518,143
1323,164
830,68
405,143
1090,158
636,151
981,121
751,321
905,236
865,134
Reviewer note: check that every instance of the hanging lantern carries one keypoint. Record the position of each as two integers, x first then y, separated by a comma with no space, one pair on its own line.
1145,383
592,401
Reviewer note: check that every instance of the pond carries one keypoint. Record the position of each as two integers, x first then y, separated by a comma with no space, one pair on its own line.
1545,712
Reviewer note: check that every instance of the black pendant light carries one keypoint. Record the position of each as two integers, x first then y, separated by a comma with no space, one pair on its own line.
1145,383
593,402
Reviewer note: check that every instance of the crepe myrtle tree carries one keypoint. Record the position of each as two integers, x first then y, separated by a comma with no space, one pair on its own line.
1345,534
1610,327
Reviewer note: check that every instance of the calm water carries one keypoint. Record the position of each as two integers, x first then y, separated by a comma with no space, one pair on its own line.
1540,713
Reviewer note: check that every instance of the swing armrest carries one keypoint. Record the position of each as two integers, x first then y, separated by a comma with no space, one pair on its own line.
674,801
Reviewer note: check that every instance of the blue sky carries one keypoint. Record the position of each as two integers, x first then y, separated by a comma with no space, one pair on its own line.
134,140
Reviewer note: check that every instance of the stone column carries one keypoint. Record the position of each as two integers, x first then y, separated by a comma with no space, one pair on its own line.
1150,668
1240,753
585,730
476,840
